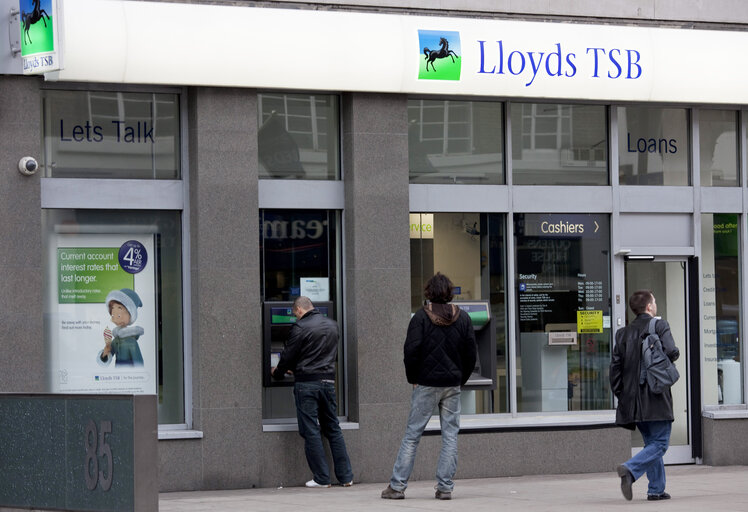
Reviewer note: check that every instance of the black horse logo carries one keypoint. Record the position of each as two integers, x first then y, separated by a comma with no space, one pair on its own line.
29,18
442,52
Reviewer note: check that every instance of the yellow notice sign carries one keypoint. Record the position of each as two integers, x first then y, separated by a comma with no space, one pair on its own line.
589,321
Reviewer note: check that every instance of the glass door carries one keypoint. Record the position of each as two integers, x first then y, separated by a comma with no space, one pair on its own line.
668,281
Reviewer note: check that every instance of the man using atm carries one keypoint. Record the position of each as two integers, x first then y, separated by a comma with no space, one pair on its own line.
310,354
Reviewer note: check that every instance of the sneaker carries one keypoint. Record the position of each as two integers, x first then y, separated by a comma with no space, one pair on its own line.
443,495
312,483
657,497
391,494
347,484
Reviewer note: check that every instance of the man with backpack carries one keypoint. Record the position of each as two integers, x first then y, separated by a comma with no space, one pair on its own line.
639,406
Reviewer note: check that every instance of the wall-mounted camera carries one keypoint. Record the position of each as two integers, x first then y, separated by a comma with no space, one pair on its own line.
28,165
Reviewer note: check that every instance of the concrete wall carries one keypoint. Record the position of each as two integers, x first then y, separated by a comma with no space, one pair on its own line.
377,249
22,356
724,441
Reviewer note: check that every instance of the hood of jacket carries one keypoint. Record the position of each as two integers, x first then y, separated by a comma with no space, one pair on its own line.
442,314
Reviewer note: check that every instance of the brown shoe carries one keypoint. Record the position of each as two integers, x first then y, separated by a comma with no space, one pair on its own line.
443,495
391,494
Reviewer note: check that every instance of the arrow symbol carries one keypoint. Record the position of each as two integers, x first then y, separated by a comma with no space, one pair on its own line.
596,226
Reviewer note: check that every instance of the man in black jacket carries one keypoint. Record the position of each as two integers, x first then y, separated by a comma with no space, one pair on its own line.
311,353
440,355
638,406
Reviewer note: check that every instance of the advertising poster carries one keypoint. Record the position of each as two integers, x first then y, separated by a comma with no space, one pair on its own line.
103,319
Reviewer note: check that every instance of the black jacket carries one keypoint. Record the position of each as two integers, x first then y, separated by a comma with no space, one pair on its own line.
440,355
311,350
635,401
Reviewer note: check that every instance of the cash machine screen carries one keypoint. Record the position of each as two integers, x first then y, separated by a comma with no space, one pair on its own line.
477,311
283,315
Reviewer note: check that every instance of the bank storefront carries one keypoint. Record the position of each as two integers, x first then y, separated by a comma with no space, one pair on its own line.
549,169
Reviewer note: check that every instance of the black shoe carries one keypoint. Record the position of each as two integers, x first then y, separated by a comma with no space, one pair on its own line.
657,497
627,480
391,494
443,495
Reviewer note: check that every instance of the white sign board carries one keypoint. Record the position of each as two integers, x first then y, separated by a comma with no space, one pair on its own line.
240,46
316,288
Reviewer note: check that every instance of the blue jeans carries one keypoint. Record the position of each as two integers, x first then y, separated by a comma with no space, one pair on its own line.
317,414
422,404
656,436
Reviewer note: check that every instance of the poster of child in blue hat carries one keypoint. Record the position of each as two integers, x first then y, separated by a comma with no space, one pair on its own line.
121,343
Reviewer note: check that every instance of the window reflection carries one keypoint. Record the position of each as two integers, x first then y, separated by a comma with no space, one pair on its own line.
100,134
298,136
653,146
455,142
718,143
559,144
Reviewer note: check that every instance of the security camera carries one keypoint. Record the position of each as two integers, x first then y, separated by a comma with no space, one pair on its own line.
28,165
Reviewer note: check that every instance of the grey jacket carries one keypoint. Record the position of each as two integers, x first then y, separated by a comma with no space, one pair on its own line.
635,401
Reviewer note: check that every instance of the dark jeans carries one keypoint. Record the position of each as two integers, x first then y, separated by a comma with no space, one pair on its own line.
317,414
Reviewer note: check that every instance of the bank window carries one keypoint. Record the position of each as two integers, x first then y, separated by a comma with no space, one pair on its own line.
718,148
101,134
653,146
452,141
299,255
555,144
470,249
721,305
298,136
132,257
563,312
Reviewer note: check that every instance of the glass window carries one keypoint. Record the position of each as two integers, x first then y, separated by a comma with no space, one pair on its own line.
92,257
98,134
563,304
653,146
453,141
298,136
299,255
720,253
556,144
718,143
469,248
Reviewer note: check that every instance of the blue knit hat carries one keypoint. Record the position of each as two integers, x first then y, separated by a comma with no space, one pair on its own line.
127,298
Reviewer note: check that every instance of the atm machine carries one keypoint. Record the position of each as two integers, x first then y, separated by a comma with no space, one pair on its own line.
277,321
484,375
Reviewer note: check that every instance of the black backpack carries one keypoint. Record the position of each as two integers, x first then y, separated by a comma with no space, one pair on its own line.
655,368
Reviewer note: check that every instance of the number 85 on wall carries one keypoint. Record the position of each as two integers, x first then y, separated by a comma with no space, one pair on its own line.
97,449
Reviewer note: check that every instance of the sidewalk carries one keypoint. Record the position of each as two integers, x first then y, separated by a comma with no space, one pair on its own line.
694,488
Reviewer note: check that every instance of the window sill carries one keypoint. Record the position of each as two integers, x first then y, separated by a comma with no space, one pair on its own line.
484,422
293,427
725,412
164,435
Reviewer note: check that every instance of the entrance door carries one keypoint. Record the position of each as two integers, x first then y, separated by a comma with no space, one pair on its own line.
668,281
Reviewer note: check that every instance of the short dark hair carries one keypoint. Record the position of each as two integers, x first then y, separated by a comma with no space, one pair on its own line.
439,289
303,303
639,301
